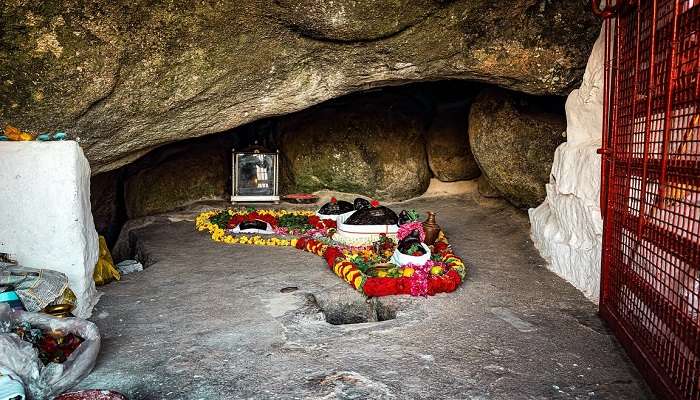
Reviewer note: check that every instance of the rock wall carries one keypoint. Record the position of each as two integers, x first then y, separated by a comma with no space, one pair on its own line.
127,76
200,173
567,228
384,143
45,217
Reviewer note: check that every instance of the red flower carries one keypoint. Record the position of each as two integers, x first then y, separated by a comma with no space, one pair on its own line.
439,247
452,280
315,221
332,253
434,285
334,200
237,219
374,203
234,221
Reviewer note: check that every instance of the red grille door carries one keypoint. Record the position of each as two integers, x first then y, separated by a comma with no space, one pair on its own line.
650,288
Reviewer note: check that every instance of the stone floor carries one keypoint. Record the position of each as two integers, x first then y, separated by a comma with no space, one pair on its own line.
208,321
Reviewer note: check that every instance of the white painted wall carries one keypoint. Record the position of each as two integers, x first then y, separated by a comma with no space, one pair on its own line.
567,228
45,217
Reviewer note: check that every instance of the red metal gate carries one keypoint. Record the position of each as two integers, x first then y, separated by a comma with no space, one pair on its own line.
650,287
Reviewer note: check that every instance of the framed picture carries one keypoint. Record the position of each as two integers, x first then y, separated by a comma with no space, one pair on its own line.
255,176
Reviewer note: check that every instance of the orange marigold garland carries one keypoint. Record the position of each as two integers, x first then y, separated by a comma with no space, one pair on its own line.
445,271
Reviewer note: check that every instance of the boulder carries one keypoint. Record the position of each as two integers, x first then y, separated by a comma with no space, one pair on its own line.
200,173
486,189
126,77
513,138
449,155
374,147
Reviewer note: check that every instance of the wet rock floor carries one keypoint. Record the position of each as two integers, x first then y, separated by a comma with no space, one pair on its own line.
211,321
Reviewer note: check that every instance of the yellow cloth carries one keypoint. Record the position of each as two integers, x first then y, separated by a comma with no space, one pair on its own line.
105,271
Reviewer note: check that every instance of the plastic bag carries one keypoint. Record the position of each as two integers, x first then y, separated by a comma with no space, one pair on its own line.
43,382
11,386
37,288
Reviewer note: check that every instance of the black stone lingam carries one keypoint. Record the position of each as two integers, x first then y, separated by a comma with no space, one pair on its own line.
404,217
379,215
245,225
412,240
336,208
361,203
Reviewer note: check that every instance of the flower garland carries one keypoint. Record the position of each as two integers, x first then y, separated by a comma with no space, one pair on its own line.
442,274
406,229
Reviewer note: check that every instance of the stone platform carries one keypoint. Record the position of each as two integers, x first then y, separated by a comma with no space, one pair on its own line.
211,321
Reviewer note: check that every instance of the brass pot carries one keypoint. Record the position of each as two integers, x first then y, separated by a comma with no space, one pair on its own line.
59,310
431,228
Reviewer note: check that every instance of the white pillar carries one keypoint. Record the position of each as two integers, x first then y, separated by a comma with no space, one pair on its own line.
567,228
45,217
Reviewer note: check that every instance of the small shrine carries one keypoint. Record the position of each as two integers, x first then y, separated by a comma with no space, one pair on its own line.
255,173
374,249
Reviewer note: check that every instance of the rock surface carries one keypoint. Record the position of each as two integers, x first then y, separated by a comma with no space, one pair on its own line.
127,76
514,144
210,321
375,148
449,155
200,173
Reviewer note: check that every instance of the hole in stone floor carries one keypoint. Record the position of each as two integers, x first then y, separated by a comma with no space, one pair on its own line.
356,312
384,312
289,289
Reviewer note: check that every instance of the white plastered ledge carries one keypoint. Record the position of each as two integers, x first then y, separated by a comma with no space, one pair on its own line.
567,227
45,215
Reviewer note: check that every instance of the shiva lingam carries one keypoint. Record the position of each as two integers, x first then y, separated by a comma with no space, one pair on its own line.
431,228
366,223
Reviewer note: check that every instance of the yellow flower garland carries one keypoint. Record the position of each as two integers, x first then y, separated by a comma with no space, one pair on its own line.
203,223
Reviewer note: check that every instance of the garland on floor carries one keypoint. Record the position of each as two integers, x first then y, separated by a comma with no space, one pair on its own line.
364,267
